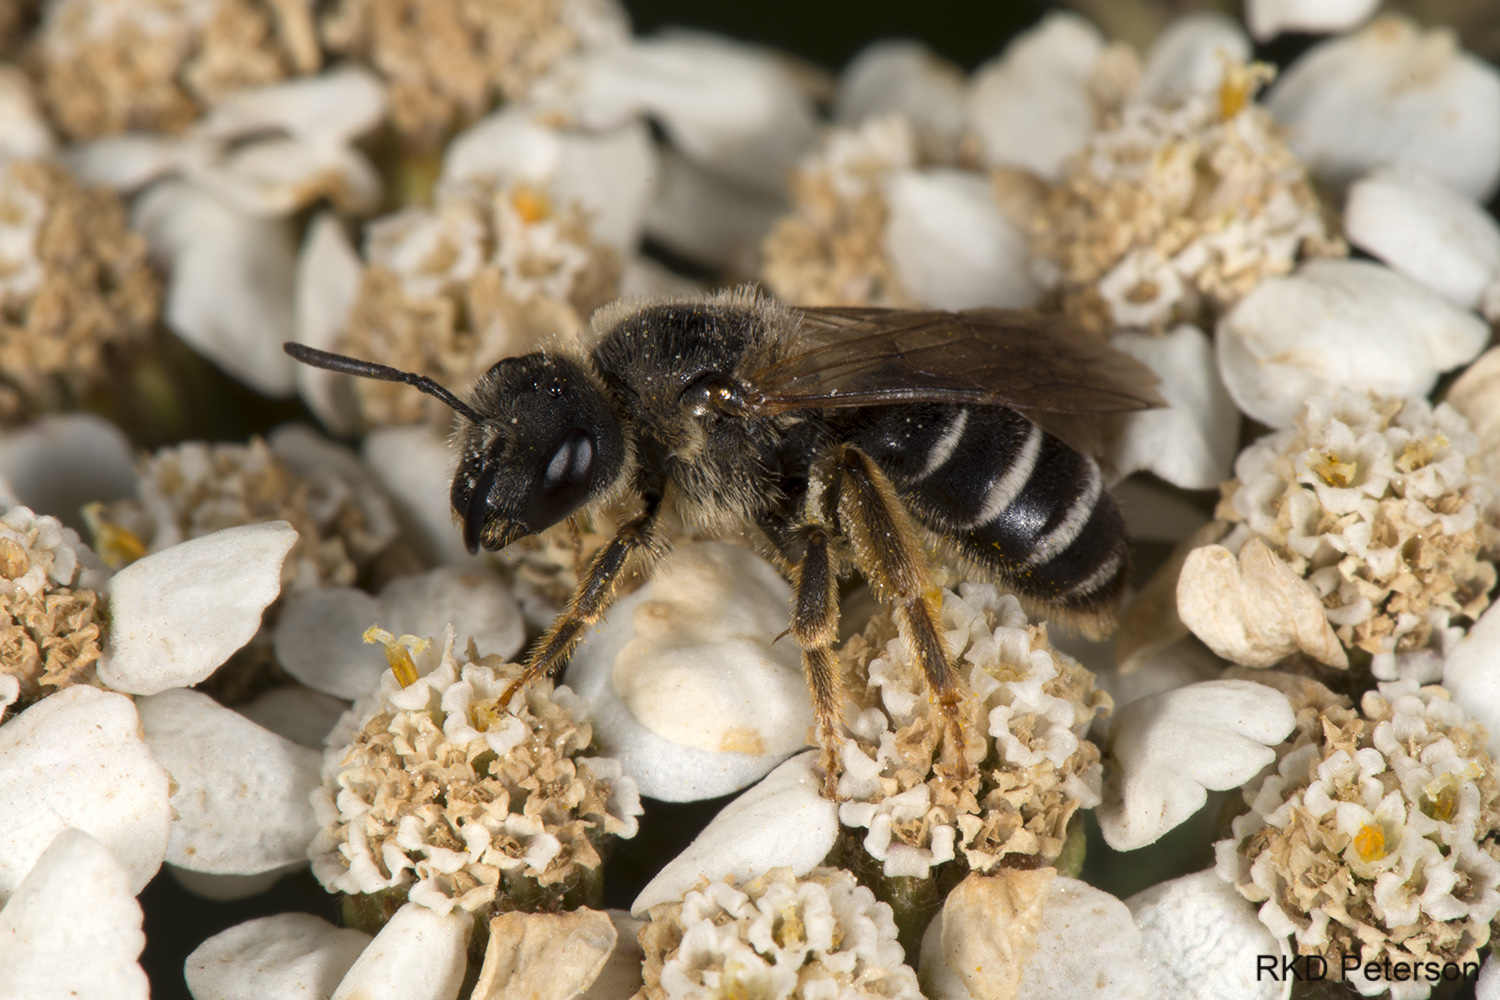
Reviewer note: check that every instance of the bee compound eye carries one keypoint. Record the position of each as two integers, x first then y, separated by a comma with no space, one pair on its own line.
564,484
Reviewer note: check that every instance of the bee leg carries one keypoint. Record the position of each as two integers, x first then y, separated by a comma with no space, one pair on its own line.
592,598
815,625
890,556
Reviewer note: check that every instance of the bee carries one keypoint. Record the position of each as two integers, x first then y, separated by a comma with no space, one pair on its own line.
843,438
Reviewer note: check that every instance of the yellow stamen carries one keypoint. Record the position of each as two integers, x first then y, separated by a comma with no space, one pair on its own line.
116,544
1334,472
403,667
1369,842
531,205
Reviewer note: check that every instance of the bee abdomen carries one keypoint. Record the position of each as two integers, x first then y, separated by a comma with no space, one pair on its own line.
1010,496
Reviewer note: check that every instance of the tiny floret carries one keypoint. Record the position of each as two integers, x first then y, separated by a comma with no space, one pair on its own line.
1025,721
50,621
1375,834
1379,504
1176,209
776,937
449,798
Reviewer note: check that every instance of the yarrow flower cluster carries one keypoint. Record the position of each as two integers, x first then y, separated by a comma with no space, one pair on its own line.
447,61
192,489
1027,717
776,937
50,614
1376,835
441,793
831,249
1176,208
1379,504
110,66
75,287
487,272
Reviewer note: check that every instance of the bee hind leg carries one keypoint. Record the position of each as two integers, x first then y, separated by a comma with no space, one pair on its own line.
890,555
815,626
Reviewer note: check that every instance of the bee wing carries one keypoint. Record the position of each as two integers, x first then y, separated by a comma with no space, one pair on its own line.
875,357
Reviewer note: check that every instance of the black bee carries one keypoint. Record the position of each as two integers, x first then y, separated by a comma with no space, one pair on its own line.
845,438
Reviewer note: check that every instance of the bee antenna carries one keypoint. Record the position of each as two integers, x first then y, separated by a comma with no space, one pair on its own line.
369,369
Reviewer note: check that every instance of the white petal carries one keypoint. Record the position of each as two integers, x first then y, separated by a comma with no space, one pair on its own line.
1254,609
1269,18
129,162
1031,107
418,955
415,468
1192,442
282,957
684,682
24,134
783,821
1190,55
328,277
977,946
231,286
10,690
278,175
706,218
329,109
1426,231
58,463
76,759
1488,987
545,956
1470,675
733,108
177,614
610,174
243,792
1202,940
320,635
903,77
1170,747
949,244
1339,323
72,931
227,888
1087,947
1393,93
620,979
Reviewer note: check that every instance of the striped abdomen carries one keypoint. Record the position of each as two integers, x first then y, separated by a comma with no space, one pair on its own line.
1013,498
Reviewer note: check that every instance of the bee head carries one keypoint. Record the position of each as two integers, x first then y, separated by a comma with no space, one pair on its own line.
538,441
544,442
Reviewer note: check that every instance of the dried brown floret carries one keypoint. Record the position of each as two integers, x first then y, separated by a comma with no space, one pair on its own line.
109,66
75,284
50,640
49,616
450,61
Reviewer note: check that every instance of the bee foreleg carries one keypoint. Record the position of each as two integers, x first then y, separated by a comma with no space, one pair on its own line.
888,552
592,598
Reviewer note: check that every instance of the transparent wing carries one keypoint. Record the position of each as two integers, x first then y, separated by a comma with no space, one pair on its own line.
873,357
